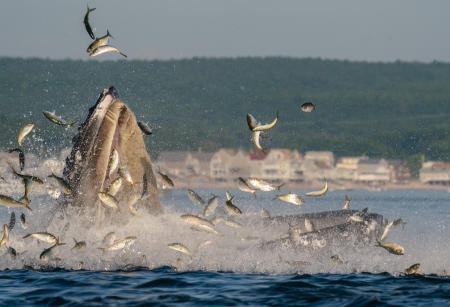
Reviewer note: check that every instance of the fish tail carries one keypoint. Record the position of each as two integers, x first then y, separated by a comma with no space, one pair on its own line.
90,9
279,187
123,54
26,236
27,205
109,34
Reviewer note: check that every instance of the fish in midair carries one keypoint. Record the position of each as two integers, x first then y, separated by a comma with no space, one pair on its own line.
255,140
211,206
291,198
45,255
232,223
180,248
35,179
106,49
109,201
336,259
347,203
114,187
195,198
131,204
392,248
251,122
119,244
21,157
228,195
386,230
261,127
23,132
144,128
113,161
79,245
62,184
52,117
358,216
167,182
5,235
245,187
319,193
12,221
413,269
12,252
204,243
231,208
99,41
28,184
43,236
307,107
196,220
23,221
125,174
11,202
399,222
262,185
86,22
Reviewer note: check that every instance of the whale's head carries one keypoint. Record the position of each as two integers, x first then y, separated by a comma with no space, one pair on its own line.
110,126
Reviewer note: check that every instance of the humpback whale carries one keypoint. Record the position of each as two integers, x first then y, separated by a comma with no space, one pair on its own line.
110,125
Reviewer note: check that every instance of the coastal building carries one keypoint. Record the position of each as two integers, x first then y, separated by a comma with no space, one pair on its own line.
373,171
346,168
400,172
184,164
318,165
433,172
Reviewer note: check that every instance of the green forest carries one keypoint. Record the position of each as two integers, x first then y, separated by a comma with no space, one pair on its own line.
397,110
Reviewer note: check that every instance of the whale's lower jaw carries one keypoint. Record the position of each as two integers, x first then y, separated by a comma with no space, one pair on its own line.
110,125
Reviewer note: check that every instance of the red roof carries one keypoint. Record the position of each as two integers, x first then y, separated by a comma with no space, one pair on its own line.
257,155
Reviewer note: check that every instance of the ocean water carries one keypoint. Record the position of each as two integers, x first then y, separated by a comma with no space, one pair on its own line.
232,270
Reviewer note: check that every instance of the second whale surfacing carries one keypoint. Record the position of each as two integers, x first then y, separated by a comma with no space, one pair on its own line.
110,126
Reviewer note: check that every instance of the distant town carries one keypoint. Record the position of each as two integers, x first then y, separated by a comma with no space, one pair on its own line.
295,169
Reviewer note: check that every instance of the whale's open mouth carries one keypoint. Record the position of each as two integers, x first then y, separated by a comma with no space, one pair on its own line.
110,126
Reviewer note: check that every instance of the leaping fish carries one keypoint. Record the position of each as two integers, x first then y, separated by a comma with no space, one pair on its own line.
167,182
113,161
43,236
119,244
63,185
263,185
386,230
86,22
245,187
5,235
21,157
319,193
51,117
106,49
347,203
255,140
211,206
231,208
100,41
45,255
260,127
23,132
392,248
179,248
291,198
11,202
195,198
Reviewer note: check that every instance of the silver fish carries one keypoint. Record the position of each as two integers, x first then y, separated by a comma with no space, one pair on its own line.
261,127
180,248
211,206
23,132
109,200
45,255
98,42
5,235
10,202
255,140
51,117
251,122
21,157
309,225
232,223
144,128
113,161
245,187
63,185
204,243
291,198
114,187
23,221
86,22
231,208
28,183
119,244
392,248
347,203
167,182
319,193
386,230
109,238
195,198
43,236
105,49
263,185
195,220
125,174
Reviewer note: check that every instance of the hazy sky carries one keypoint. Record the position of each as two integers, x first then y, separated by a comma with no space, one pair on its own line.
381,30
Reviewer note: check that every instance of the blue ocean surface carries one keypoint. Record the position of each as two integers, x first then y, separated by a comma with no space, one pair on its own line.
230,271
